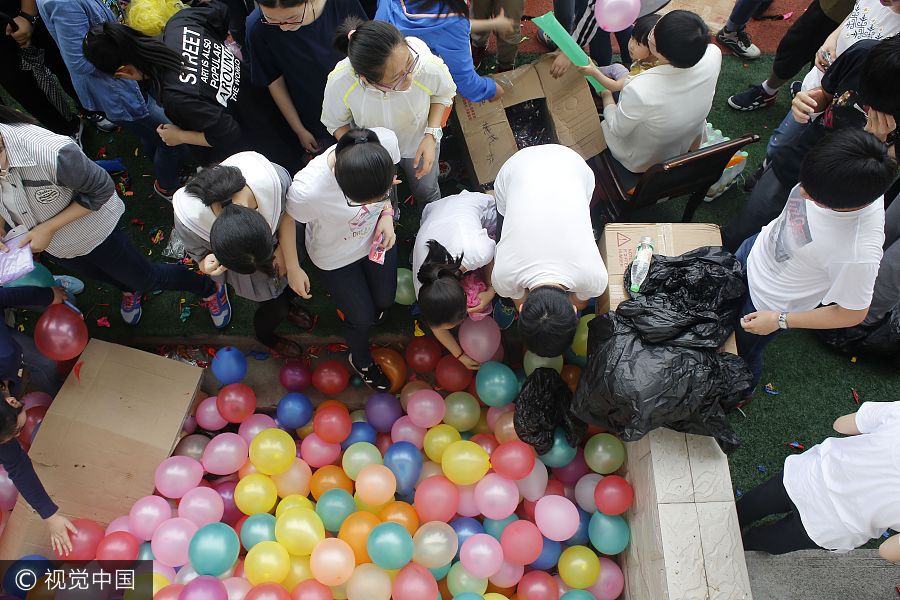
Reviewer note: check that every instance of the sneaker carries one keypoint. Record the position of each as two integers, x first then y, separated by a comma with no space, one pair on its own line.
478,55
72,285
162,192
753,98
100,121
504,314
219,307
738,42
796,86
130,309
752,179
372,375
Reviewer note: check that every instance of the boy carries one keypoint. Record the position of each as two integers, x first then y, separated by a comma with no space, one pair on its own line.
824,248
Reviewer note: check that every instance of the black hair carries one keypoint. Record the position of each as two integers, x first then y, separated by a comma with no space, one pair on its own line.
216,184
442,299
879,83
372,45
108,46
11,116
547,321
242,241
849,168
281,3
643,26
363,168
443,7
681,37
9,415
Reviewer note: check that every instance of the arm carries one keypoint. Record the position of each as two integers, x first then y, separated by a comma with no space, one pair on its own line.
890,548
43,233
457,55
426,153
173,135
847,425
336,115
22,35
448,340
806,104
69,24
825,317
621,119
499,23
591,70
287,243
282,97
828,51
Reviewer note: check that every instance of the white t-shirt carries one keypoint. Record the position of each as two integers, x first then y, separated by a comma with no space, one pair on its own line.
461,224
544,195
811,255
336,234
847,489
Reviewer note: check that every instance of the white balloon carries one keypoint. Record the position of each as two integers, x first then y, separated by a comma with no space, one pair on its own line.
584,492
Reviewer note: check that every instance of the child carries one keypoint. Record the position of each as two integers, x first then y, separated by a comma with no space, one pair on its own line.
824,248
837,495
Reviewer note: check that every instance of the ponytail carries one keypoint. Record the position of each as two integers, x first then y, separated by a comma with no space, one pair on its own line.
216,184
108,46
242,241
363,168
373,43
442,299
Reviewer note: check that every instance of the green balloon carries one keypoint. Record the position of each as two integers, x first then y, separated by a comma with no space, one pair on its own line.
533,361
497,384
609,534
604,453
461,411
333,507
460,581
359,455
257,528
390,546
406,293
39,277
579,343
561,453
214,549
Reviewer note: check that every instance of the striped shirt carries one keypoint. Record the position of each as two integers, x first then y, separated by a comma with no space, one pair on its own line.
47,172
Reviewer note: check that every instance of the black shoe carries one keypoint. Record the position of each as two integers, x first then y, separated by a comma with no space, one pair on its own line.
753,98
752,179
372,375
796,86
738,42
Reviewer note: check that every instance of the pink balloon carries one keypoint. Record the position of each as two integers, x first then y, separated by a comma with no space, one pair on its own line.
572,472
177,475
556,517
496,497
499,354
481,555
487,442
225,454
561,586
236,587
204,588
404,430
610,583
208,416
508,575
146,515
616,15
537,585
189,425
425,408
117,524
436,499
171,540
295,480
32,399
254,425
414,582
170,592
311,590
8,491
317,452
521,542
231,513
467,505
533,485
167,572
494,412
479,339
202,506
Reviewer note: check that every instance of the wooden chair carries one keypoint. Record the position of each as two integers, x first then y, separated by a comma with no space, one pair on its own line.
690,173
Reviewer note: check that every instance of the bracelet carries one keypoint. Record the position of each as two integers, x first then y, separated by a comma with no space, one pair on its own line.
458,355
387,212
33,19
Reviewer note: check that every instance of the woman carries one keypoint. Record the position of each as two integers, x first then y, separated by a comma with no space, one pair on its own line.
291,53
231,218
71,208
453,258
343,196
388,80
204,89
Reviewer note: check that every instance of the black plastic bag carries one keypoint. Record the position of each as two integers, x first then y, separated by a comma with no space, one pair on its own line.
883,338
543,404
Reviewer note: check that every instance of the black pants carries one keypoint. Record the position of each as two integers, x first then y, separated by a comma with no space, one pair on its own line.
270,314
784,535
362,290
801,42
764,204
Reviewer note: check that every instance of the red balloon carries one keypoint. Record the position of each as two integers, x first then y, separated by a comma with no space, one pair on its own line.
311,590
33,419
452,375
330,377
268,591
487,442
86,541
521,542
537,585
294,375
332,423
170,592
118,546
423,354
236,402
415,581
383,441
613,495
513,460
60,333
436,499
32,399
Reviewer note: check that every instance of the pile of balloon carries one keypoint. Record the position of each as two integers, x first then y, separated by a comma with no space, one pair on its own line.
425,493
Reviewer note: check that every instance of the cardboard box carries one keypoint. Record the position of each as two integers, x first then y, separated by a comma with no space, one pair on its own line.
102,439
570,106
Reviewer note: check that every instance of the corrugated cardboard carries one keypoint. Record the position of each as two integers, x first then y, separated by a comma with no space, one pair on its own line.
570,105
103,438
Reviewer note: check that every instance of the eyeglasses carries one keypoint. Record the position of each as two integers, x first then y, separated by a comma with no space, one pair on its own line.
411,67
355,204
289,23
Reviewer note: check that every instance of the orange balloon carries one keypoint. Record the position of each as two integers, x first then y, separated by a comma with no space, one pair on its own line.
402,513
508,592
393,365
355,531
411,388
376,485
443,589
327,478
571,374
328,403
247,469
504,429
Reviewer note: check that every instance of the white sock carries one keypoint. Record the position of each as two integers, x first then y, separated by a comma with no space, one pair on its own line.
769,90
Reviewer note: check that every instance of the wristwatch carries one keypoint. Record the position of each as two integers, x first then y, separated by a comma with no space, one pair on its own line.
435,132
33,19
782,321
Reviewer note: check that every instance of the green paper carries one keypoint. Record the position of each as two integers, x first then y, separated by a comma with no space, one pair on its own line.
565,42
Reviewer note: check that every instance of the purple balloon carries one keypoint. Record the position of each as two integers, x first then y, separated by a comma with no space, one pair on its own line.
226,490
572,472
382,410
204,588
295,376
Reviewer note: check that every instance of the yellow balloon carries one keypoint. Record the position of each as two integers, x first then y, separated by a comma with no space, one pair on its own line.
370,508
465,463
294,501
267,562
494,596
437,439
305,430
339,592
255,493
369,582
579,567
300,571
299,530
482,425
273,451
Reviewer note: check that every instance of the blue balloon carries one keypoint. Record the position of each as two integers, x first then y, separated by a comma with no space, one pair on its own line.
15,584
577,595
441,572
257,528
581,537
609,534
359,432
333,507
496,384
390,546
466,435
405,462
549,556
468,596
145,552
561,453
294,411
214,549
229,365
465,527
494,528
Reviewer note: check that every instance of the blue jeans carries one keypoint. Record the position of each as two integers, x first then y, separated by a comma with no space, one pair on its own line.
786,133
741,13
166,159
41,370
750,346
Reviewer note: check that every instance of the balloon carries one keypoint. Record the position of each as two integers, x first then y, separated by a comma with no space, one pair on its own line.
330,377
576,595
402,513
376,484
406,293
464,462
434,545
505,429
225,489
299,572
481,555
425,408
556,517
310,590
571,375
214,549
170,541
146,515
368,582
412,387
459,581
170,592
572,472
117,524
35,398
610,583
609,534
584,492
579,567
177,475
237,588
333,507
452,375
118,546
208,416
390,546
479,339
40,276
202,505
273,451
561,453
355,531
393,365
414,582
359,455
268,591
437,439
332,562
537,585
299,530
496,497
294,375
255,493
317,452
513,460
382,410
429,469
403,430
521,542
257,528
550,553
533,485
496,527
532,361
229,365
507,577
225,454
616,15
604,453
236,402
423,354
487,442
467,506
191,446
60,333
267,562
496,384
436,499
204,588
613,495
332,424
461,411
579,343
328,478
360,431
33,419
294,410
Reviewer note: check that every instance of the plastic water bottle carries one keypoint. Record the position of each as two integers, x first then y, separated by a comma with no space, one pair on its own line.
641,265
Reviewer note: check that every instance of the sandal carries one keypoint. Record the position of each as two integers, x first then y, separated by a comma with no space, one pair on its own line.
372,375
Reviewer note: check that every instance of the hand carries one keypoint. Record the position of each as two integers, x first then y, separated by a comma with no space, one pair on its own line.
590,70
806,104
469,363
299,282
485,298
23,34
308,141
826,54
498,94
761,322
211,266
39,237
170,134
385,226
560,65
4,248
880,124
60,527
59,295
424,158
503,25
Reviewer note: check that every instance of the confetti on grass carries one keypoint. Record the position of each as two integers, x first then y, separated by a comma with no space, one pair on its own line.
770,389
